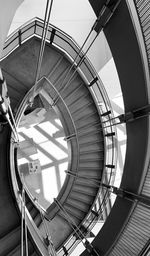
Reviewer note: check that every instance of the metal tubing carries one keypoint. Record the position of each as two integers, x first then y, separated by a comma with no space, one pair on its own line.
22,221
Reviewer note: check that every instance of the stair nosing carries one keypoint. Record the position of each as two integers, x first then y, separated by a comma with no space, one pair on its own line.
85,106
55,67
83,192
73,91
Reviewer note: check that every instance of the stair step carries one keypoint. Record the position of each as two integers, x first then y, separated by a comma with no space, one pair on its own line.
93,142
88,121
95,138
91,160
85,116
76,204
92,164
58,83
58,65
66,219
62,84
86,190
88,170
91,146
81,198
55,67
79,102
71,81
86,152
94,151
78,108
90,156
74,212
51,62
95,163
94,130
90,108
73,91
96,172
80,194
87,182
89,126
90,138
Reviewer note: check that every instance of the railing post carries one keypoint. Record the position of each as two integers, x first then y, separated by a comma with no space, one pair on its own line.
52,35
19,37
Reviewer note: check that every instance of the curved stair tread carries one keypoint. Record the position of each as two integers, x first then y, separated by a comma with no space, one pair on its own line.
88,121
76,204
73,91
92,156
74,213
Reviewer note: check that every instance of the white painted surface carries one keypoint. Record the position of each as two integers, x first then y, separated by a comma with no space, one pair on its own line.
75,17
8,9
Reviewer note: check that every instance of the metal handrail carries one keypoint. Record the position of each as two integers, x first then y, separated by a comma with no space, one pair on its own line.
64,42
21,109
18,117
29,221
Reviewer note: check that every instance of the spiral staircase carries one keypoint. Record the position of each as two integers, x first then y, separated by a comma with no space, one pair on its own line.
126,230
80,116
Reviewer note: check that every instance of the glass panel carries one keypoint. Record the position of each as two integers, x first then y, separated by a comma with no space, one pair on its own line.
65,46
27,33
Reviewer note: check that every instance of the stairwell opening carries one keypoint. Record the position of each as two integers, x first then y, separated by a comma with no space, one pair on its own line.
43,153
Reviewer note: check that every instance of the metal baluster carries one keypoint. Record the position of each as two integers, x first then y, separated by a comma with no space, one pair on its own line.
22,220
78,232
48,239
25,226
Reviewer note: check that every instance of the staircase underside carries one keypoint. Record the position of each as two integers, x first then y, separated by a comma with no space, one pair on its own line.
79,114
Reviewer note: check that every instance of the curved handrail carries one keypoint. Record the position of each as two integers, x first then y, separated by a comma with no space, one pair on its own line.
21,109
64,42
30,222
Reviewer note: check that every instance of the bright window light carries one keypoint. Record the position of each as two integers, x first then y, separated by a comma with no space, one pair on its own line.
54,150
62,168
42,157
20,138
22,161
58,122
49,189
33,133
62,142
48,128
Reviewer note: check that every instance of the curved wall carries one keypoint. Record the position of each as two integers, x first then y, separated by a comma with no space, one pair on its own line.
9,8
125,49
